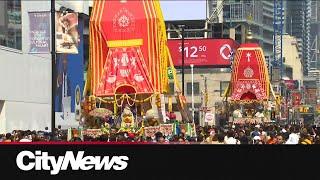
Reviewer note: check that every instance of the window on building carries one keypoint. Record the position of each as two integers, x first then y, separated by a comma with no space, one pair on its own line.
10,24
171,88
223,86
196,88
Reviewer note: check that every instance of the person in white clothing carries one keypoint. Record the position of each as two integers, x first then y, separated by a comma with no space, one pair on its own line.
25,139
294,136
230,138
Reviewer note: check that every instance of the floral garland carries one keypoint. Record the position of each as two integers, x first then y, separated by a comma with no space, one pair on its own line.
246,101
135,97
121,99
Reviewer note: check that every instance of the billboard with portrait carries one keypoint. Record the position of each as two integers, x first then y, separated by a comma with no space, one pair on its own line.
67,35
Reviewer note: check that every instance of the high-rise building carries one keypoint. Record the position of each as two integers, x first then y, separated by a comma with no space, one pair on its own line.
298,24
243,15
26,89
315,35
315,44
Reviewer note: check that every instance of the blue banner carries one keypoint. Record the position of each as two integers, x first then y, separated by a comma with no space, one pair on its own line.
69,85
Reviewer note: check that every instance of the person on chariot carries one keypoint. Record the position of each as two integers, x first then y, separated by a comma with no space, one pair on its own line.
151,118
237,113
259,115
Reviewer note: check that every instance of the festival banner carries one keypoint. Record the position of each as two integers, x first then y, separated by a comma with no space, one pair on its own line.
151,131
70,83
92,132
166,129
39,32
67,36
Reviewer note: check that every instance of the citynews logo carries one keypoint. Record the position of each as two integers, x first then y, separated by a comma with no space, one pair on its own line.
42,161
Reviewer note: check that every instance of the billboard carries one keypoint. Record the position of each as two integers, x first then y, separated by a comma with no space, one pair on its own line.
203,52
67,36
69,86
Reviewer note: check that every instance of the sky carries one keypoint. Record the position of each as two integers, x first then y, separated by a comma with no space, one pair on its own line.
183,10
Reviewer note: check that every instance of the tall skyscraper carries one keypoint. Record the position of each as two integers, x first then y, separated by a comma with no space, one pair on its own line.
298,24
315,35
244,15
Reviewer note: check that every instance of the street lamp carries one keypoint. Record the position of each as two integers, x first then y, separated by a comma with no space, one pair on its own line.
53,65
182,55
192,93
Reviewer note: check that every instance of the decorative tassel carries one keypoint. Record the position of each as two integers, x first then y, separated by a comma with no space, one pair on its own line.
170,104
115,107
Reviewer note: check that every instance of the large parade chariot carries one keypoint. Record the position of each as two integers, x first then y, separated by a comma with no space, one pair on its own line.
128,70
248,94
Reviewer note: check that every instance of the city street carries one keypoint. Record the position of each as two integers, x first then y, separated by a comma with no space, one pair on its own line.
208,72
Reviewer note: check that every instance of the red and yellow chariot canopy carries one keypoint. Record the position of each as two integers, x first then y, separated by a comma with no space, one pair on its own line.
250,79
128,48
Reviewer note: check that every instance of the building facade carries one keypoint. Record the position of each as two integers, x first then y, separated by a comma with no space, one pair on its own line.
298,24
25,93
209,87
243,15
292,59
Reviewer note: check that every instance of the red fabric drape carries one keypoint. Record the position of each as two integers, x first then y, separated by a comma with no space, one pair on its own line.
250,80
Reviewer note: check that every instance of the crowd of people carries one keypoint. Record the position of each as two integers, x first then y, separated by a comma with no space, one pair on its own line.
230,134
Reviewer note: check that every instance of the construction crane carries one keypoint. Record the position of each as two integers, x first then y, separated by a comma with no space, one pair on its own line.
216,12
214,15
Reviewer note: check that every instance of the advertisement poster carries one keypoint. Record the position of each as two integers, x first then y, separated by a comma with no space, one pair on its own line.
69,86
203,52
67,35
39,32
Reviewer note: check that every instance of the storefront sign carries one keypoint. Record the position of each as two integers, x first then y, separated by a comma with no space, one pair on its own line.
209,117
